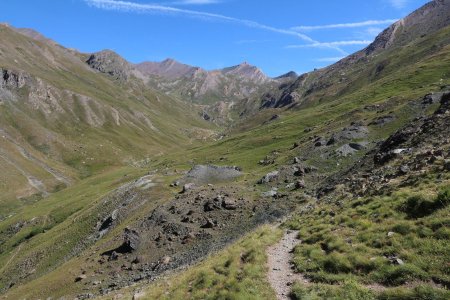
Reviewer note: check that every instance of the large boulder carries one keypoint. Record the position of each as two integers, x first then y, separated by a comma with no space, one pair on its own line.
229,204
131,241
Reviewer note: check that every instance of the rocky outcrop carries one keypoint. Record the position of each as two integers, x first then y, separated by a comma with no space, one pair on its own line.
247,72
110,63
420,147
12,79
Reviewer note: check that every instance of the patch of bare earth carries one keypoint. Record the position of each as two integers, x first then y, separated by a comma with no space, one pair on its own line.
279,259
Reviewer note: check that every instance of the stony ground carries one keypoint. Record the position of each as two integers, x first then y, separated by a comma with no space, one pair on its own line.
280,273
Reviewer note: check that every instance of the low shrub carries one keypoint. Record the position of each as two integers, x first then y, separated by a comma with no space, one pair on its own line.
398,275
425,292
418,206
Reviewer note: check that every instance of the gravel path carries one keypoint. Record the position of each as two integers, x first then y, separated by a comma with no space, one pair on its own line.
281,275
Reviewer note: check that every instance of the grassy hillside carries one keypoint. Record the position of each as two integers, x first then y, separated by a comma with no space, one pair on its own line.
368,231
59,114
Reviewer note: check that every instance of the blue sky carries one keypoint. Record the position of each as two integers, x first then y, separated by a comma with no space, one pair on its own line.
275,35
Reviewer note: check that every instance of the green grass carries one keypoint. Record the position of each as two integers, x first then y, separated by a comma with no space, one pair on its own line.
361,241
350,290
237,272
345,248
51,228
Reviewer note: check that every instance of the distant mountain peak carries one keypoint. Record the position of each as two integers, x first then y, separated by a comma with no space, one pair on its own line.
430,18
170,61
247,71
290,74
108,61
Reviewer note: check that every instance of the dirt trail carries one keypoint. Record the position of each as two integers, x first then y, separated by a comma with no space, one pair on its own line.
11,258
281,275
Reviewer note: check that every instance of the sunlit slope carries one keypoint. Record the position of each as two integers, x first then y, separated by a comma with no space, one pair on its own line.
59,116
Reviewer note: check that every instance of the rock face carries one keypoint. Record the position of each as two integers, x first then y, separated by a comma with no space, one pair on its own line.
416,24
12,79
199,85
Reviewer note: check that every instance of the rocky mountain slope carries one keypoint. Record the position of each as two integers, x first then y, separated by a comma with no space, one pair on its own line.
61,119
371,64
222,95
353,156
206,87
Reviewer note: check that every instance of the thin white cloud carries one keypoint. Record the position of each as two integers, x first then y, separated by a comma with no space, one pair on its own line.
330,59
125,6
195,2
345,25
399,4
331,44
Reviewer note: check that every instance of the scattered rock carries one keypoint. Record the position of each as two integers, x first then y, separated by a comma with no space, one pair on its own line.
395,260
381,121
358,146
213,204
355,131
398,151
113,256
345,150
175,184
187,187
432,98
299,171
131,242
320,142
269,177
139,295
403,170
205,116
274,117
269,194
332,140
80,277
166,260
391,234
209,223
300,184
229,204
266,161
447,164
